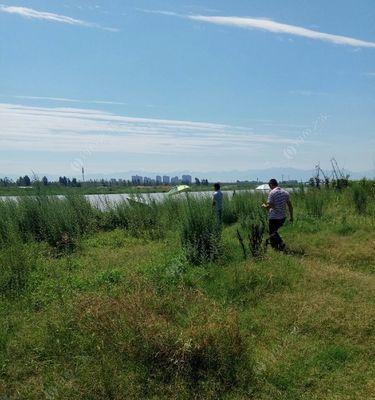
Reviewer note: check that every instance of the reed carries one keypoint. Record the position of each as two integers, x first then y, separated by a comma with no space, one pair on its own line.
200,231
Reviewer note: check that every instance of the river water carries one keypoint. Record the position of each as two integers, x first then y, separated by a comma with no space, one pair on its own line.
104,201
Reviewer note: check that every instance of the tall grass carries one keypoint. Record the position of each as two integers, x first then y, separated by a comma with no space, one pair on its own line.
7,227
230,215
248,205
140,219
244,205
200,231
314,203
17,261
59,222
360,198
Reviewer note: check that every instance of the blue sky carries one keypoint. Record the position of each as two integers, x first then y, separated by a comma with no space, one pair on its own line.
186,85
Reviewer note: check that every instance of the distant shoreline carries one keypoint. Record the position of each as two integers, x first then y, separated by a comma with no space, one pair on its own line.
88,189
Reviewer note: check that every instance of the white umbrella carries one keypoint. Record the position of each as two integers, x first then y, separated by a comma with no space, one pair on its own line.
263,187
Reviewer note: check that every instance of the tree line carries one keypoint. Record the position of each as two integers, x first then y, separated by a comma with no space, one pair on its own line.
26,181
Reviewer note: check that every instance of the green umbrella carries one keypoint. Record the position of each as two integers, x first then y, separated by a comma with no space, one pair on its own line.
178,189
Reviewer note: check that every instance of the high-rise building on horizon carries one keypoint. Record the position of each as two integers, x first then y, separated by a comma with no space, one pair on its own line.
137,180
175,180
186,179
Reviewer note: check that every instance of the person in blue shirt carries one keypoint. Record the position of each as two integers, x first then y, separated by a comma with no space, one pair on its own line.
217,202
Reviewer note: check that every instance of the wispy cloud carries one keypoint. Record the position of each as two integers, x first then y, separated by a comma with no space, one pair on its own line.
68,100
48,16
369,74
74,129
272,26
307,93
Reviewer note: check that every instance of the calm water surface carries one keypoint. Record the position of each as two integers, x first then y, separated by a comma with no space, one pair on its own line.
104,201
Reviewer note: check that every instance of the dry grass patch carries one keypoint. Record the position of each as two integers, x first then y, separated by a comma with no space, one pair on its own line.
176,340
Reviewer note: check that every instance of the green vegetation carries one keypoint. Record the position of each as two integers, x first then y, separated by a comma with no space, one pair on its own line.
200,232
315,202
156,301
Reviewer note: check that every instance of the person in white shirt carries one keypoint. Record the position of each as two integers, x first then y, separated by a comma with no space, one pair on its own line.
276,204
217,202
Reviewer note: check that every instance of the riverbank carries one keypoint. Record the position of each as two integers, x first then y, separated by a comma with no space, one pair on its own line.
149,302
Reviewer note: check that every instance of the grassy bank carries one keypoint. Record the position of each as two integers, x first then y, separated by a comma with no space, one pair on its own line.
159,302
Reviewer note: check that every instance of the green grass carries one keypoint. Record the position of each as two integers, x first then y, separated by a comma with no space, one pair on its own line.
124,312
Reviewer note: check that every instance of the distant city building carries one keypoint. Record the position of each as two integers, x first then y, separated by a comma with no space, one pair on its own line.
158,179
175,180
137,180
186,179
166,179
147,180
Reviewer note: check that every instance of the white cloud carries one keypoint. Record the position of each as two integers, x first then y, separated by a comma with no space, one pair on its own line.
277,27
71,129
47,16
68,100
272,26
